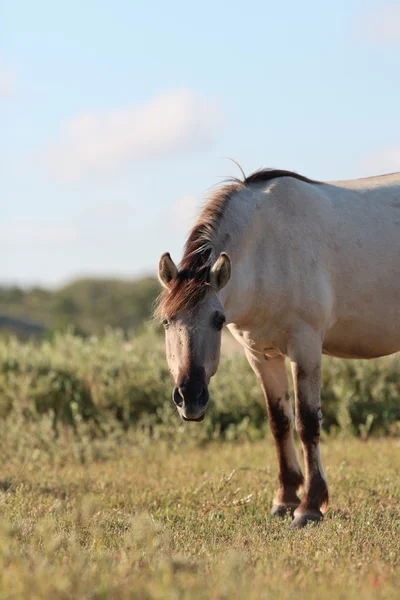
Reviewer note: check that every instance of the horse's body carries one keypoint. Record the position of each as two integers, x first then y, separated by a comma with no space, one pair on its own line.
315,269
327,255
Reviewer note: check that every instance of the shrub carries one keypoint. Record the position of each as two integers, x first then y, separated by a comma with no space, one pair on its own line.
109,379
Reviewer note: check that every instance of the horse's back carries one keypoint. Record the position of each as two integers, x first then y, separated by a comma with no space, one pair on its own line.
369,183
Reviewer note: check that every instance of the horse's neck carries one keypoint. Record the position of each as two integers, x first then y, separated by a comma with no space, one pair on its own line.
237,240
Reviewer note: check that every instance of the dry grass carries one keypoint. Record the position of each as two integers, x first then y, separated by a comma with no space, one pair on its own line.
131,517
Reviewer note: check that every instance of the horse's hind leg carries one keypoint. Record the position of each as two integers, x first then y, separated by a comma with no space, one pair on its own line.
271,373
306,369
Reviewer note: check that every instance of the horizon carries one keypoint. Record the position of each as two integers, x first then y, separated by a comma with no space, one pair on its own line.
53,287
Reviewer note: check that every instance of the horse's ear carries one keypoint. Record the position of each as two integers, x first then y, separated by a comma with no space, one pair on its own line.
167,270
221,271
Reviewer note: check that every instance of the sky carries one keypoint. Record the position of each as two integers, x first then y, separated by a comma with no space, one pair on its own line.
116,118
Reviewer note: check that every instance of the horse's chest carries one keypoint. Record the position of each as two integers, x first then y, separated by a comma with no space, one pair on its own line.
257,341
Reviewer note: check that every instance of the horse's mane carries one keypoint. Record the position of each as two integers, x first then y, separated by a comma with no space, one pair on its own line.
192,283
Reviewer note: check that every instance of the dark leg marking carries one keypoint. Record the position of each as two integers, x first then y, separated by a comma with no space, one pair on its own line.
279,421
271,373
308,425
286,499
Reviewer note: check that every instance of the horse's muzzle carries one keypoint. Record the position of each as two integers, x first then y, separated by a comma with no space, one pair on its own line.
191,401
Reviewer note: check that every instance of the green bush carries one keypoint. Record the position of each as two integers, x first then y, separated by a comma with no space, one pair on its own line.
111,380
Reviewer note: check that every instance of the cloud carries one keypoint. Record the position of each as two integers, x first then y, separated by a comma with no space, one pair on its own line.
381,24
170,124
7,82
383,161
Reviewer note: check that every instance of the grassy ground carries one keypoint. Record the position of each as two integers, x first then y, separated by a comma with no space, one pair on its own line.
131,517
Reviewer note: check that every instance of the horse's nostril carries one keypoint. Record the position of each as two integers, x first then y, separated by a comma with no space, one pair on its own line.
177,396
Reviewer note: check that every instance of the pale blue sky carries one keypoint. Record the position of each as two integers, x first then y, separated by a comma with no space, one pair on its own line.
116,116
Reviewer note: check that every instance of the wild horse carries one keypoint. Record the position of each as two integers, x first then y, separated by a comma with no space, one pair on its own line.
296,268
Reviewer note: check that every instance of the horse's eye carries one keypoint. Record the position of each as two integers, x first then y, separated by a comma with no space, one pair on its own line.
218,321
165,323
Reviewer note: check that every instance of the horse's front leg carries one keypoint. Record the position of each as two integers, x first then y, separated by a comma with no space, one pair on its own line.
306,369
271,373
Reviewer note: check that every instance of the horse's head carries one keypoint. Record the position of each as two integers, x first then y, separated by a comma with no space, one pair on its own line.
193,317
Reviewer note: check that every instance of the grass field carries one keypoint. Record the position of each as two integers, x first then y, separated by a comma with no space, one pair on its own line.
132,517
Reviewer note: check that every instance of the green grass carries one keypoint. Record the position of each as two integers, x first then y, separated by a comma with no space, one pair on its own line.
129,516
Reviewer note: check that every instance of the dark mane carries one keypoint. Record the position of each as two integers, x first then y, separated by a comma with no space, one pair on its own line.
192,283
264,175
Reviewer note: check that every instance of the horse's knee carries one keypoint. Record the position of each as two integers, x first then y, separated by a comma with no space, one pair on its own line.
308,423
280,418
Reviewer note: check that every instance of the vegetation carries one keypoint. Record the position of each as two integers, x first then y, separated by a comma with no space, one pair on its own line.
90,305
131,517
126,382
105,494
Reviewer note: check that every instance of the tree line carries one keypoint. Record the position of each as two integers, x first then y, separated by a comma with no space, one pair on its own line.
90,306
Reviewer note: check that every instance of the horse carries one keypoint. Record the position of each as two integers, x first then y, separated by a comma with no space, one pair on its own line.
296,268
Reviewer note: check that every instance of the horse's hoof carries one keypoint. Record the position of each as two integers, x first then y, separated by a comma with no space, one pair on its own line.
302,520
282,510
